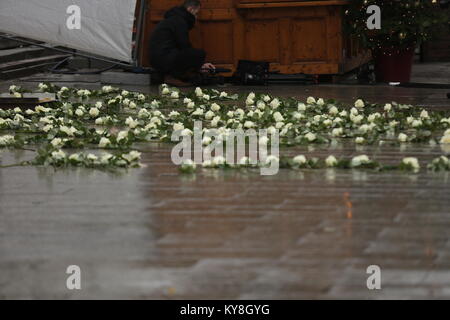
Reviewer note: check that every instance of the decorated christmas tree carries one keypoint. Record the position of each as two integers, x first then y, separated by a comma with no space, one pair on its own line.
404,23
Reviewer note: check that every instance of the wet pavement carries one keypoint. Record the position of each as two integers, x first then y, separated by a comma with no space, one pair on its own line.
153,233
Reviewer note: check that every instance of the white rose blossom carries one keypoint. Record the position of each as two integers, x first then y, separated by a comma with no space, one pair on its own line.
359,103
331,161
300,160
412,162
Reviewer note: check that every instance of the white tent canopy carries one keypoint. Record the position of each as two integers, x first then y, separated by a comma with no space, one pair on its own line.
106,25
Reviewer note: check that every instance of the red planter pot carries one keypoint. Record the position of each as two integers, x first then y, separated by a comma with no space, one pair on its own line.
394,66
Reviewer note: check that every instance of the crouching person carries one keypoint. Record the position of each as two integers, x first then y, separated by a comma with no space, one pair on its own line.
171,52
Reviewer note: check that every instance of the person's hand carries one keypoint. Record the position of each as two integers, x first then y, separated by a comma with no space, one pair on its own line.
208,66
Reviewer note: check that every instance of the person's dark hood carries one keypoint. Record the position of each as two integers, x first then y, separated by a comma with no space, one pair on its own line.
181,12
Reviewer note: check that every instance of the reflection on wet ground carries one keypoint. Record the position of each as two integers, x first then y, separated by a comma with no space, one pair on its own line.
153,233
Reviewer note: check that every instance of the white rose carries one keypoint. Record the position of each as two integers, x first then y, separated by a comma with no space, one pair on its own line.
297,115
249,124
272,159
320,102
331,161
387,107
327,122
131,122
393,124
301,107
271,130
122,136
132,156
279,125
445,139
409,120
357,119
413,162
358,160
198,112
416,123
69,131
402,137
94,112
372,117
310,136
92,157
278,117
207,164
215,121
217,161
190,105
206,141
143,113
58,155
337,120
75,157
104,142
424,114
337,132
174,95
154,104
56,142
198,92
215,107
310,100
223,94
300,160
244,161
188,164
186,132
209,115
47,128
261,105
79,112
275,103
333,110
359,103
359,140
178,126
105,158
264,140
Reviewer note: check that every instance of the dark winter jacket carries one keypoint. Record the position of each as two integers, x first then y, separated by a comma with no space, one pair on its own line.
170,36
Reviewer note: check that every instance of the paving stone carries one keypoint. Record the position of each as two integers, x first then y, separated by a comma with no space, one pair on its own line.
152,233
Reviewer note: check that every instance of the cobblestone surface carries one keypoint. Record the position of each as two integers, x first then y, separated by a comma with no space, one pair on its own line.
153,233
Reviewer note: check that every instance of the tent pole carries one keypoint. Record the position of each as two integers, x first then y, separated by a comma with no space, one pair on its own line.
139,31
67,51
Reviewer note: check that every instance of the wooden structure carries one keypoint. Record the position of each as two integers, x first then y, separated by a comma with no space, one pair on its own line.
294,36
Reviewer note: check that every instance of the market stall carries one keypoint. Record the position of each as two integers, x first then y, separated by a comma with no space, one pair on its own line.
294,36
